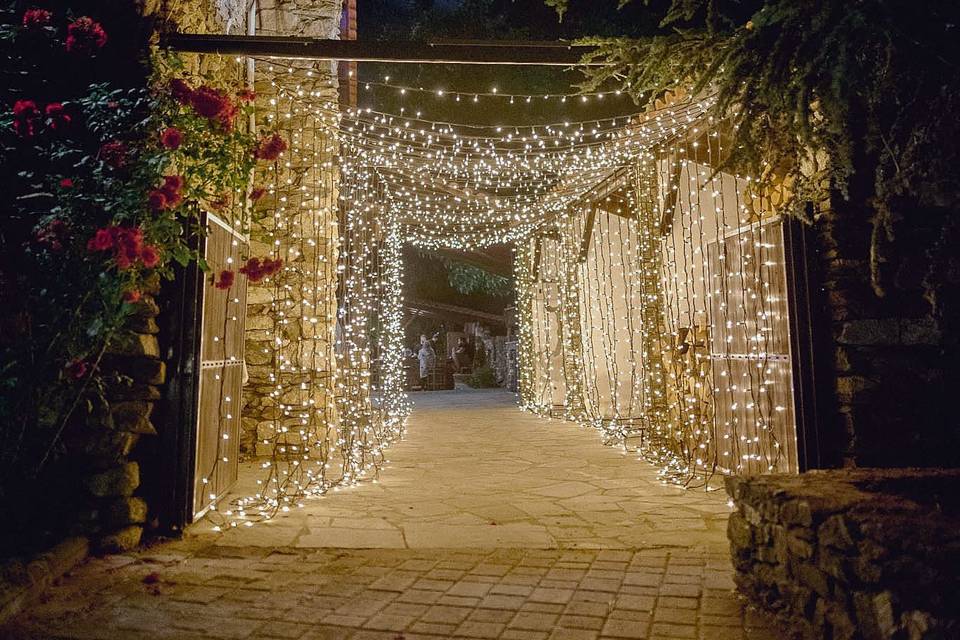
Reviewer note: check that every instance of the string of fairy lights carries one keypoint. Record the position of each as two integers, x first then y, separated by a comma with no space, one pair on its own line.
683,318
493,92
648,283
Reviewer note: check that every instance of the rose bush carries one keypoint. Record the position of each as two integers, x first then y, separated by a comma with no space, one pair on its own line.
108,158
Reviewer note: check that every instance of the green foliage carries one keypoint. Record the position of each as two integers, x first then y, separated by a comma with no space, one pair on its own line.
467,278
490,20
483,378
870,87
463,277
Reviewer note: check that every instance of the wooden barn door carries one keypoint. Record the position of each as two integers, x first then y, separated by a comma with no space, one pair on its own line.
221,368
751,345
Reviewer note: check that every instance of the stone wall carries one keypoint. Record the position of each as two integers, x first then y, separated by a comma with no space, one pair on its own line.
102,450
893,338
202,16
851,554
291,317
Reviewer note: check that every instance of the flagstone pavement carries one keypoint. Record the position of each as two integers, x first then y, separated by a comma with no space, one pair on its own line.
487,523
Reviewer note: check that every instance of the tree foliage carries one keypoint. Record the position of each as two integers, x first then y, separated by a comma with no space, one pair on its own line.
467,278
872,87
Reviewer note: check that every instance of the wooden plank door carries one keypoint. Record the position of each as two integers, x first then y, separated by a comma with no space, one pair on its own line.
221,368
750,349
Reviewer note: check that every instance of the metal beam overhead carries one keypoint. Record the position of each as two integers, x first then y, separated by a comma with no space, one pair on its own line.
487,52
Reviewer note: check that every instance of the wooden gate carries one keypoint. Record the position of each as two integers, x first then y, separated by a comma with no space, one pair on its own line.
751,345
221,368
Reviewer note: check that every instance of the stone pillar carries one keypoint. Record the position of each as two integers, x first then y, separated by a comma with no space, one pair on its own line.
654,340
291,317
570,322
894,355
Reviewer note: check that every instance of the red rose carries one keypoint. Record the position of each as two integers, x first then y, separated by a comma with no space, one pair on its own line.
270,148
128,245
251,269
66,183
114,153
85,36
52,235
150,256
173,198
257,193
246,95
181,91
25,118
273,266
172,184
172,189
256,270
226,279
131,296
36,18
157,200
209,102
171,138
226,116
102,240
57,116
76,368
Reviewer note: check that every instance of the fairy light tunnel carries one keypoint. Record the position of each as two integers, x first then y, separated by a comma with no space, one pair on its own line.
650,285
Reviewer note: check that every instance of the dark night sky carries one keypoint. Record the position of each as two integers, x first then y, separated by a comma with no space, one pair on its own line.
492,20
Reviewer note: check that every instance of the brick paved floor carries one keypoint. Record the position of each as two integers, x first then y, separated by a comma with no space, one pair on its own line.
595,548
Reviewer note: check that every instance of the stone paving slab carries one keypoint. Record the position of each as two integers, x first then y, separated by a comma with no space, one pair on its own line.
475,471
203,591
488,523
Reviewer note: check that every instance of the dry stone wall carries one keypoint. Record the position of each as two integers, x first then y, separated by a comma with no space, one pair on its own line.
291,317
102,450
851,554
893,339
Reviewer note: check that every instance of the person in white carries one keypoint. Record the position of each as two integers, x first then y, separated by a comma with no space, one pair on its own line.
428,359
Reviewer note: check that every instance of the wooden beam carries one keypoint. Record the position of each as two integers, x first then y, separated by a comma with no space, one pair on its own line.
537,256
613,182
430,305
613,209
587,234
488,52
670,200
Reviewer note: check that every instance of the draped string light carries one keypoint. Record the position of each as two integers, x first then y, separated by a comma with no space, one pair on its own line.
681,313
328,424
644,312
484,185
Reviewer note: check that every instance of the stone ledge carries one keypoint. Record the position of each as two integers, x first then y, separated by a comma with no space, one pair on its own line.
22,583
851,554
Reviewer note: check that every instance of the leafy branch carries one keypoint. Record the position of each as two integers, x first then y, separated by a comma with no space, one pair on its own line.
870,87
